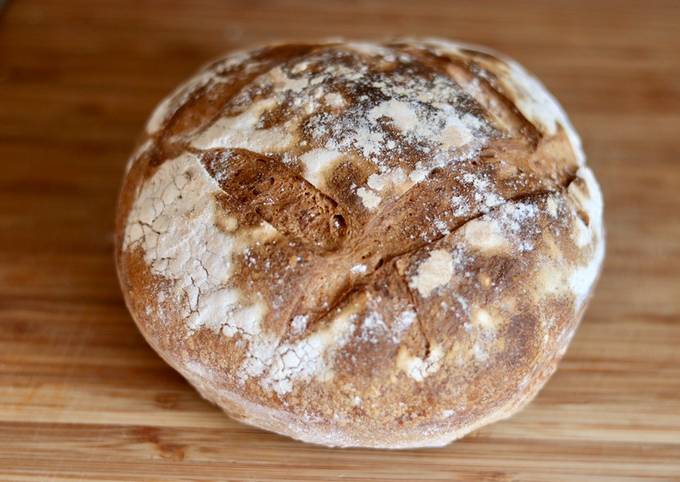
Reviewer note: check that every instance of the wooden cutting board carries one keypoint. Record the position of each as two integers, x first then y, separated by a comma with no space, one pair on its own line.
82,397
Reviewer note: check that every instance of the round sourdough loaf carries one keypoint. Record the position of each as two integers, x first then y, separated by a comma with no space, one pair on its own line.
361,244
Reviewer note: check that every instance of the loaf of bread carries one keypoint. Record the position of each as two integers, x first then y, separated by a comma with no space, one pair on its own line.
361,244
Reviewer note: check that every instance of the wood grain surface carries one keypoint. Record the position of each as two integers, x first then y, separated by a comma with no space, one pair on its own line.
82,396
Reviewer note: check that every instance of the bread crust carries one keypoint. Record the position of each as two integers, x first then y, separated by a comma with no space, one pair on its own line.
361,244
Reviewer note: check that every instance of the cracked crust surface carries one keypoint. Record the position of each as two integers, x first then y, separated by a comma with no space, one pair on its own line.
382,245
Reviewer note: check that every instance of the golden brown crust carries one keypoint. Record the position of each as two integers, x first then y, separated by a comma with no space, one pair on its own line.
360,244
